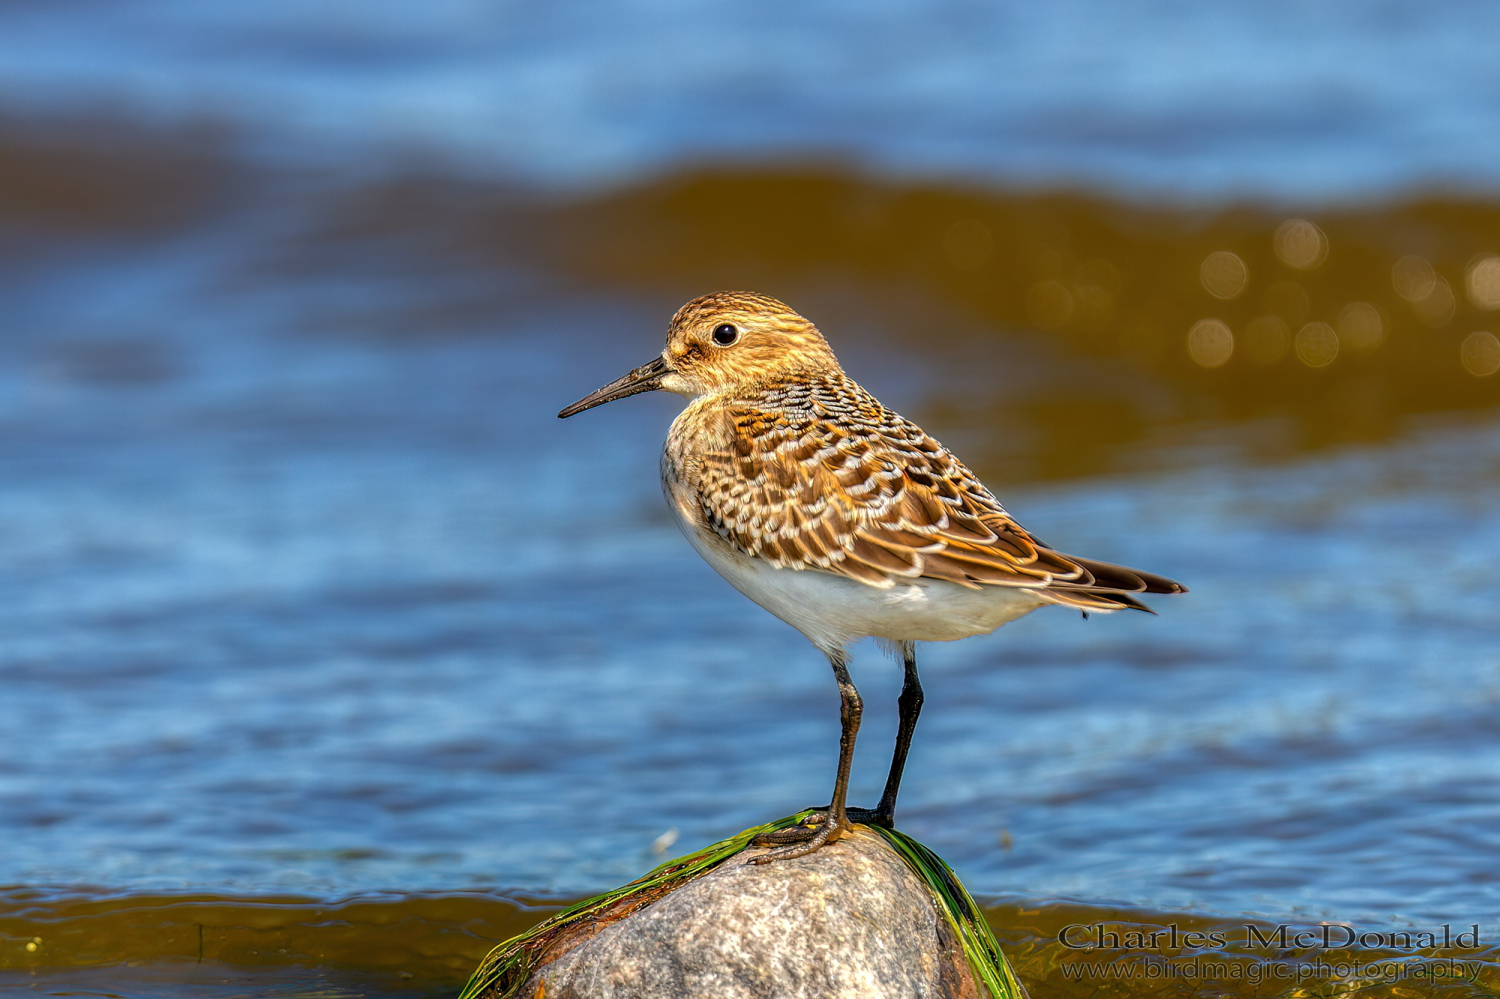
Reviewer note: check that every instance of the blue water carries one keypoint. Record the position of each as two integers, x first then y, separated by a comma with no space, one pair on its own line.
288,603
1290,101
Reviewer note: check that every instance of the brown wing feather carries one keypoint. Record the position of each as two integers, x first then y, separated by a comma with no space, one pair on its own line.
819,475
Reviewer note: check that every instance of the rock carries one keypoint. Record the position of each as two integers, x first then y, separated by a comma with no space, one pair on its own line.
850,920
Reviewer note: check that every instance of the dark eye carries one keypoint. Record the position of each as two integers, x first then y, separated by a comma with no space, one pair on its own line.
725,335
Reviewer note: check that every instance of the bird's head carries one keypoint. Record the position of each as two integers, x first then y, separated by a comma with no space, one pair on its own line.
724,342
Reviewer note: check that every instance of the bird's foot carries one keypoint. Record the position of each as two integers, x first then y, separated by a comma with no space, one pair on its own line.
862,816
808,836
873,817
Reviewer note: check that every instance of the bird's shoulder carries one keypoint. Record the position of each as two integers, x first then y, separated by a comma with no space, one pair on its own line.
829,438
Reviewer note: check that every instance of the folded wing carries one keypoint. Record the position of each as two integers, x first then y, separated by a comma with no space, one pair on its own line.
840,484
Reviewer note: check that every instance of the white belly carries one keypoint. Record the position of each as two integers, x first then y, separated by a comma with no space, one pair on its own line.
834,611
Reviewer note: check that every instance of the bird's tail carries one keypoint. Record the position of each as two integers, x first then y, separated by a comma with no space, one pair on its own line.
1107,587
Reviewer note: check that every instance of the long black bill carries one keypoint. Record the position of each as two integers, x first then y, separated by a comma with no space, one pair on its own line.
646,378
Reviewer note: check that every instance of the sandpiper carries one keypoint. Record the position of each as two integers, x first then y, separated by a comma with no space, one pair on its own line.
841,517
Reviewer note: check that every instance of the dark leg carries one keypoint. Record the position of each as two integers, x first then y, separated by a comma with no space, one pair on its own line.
910,704
813,834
